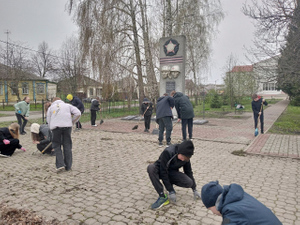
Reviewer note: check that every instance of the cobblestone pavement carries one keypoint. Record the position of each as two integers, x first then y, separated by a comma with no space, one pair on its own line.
109,183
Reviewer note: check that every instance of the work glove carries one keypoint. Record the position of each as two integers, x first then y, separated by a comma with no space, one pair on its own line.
196,195
6,142
23,149
172,196
19,111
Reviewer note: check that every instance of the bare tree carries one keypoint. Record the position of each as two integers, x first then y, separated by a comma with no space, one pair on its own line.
43,61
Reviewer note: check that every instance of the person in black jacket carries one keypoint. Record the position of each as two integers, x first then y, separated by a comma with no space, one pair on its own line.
164,118
258,111
235,205
185,113
95,107
167,167
9,139
146,111
41,136
75,101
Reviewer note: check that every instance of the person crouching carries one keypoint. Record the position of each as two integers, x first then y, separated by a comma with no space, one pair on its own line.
41,136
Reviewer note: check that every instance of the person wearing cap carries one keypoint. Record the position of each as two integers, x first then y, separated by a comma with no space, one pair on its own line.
258,111
235,205
185,112
146,111
41,136
75,101
60,118
9,139
22,109
167,168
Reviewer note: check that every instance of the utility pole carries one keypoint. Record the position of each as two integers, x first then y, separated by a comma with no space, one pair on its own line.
7,32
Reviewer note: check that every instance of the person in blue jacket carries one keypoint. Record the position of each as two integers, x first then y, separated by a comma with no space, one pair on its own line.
75,101
236,206
164,117
185,112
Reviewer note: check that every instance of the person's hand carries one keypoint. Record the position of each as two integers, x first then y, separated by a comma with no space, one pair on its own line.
178,120
172,196
19,111
26,118
6,142
263,100
196,195
259,113
23,149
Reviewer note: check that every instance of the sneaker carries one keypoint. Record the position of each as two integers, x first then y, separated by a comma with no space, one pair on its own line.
95,125
147,131
168,144
60,169
161,201
191,139
160,144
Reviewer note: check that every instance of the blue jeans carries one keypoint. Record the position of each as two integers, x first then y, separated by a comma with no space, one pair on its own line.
189,123
165,122
62,137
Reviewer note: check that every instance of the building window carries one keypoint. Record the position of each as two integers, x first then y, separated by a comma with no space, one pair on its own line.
1,88
25,88
98,92
91,91
269,86
40,88
14,88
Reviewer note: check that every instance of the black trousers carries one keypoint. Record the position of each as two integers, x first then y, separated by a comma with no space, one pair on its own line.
10,148
147,120
178,178
189,124
78,124
21,118
261,120
93,117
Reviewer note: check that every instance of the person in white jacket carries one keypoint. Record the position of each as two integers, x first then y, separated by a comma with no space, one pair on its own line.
60,118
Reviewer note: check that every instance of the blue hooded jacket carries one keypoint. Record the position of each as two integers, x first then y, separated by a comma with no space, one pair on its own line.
163,107
239,208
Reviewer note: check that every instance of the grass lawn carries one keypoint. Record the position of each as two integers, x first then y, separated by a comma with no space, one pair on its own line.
288,122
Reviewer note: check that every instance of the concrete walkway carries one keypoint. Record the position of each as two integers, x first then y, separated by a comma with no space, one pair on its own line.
109,184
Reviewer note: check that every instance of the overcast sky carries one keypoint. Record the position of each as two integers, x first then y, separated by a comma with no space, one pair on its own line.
34,21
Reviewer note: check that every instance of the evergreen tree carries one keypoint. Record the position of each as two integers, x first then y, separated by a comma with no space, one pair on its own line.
289,63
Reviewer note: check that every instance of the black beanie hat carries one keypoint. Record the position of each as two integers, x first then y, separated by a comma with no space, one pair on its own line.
210,193
186,148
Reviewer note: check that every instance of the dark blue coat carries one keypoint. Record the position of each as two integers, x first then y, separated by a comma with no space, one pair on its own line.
183,106
163,107
239,208
256,106
78,104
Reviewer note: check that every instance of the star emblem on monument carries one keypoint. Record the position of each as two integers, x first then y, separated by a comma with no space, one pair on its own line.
171,47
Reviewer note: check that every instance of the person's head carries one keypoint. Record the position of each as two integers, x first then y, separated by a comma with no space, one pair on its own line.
173,93
209,195
70,97
185,150
14,130
146,100
26,99
46,106
255,97
166,94
35,130
55,99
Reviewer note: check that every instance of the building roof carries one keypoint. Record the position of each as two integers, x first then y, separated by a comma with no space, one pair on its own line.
15,74
238,69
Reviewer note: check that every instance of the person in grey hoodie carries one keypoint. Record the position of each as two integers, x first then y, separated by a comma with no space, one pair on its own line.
22,113
60,118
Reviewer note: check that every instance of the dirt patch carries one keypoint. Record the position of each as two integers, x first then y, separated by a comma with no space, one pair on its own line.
11,216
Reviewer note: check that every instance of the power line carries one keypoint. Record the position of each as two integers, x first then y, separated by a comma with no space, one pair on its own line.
29,49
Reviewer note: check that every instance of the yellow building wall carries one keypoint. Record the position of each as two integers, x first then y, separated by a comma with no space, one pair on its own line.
11,98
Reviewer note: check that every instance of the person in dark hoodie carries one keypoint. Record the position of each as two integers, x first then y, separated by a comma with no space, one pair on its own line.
9,139
236,206
185,112
146,111
258,111
167,168
164,118
95,107
75,101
